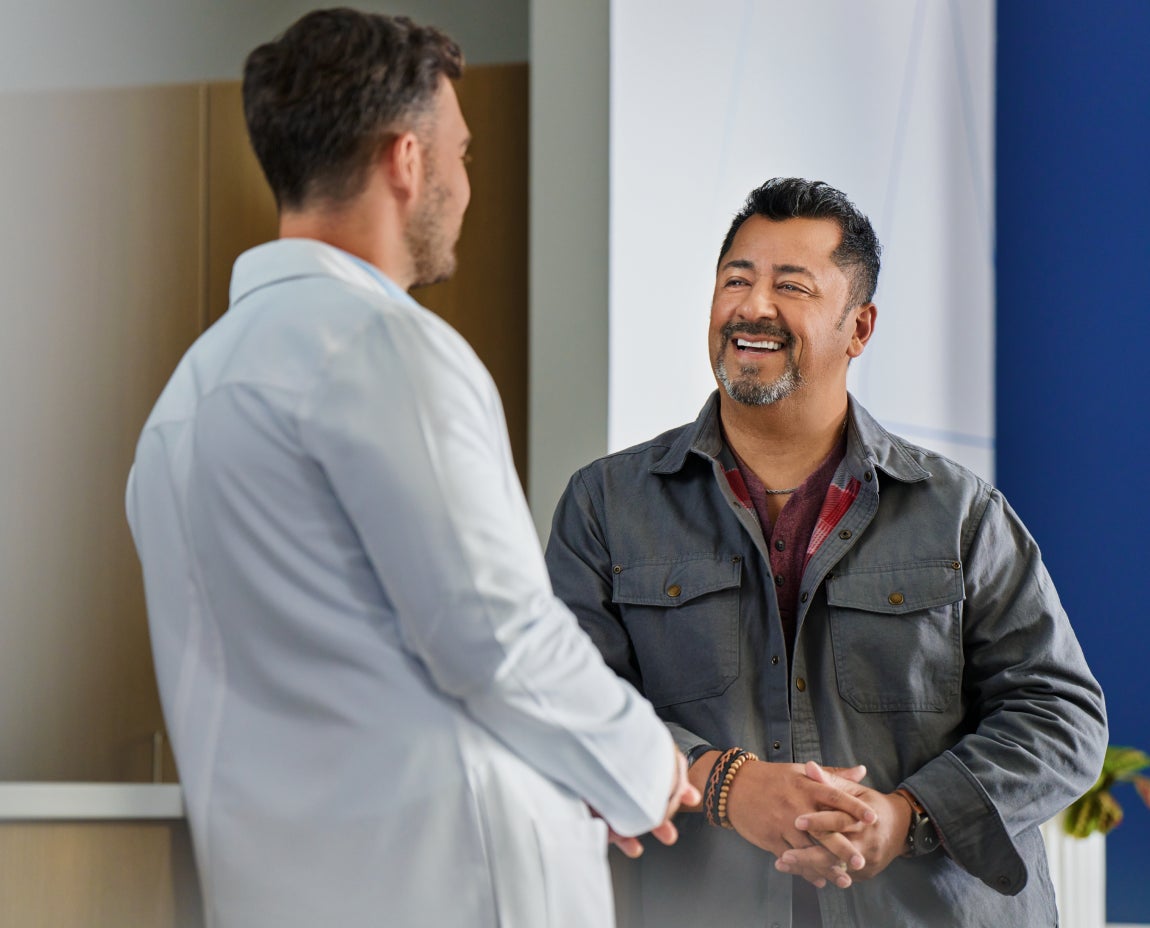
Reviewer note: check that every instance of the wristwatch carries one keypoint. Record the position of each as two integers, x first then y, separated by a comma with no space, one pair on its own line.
922,836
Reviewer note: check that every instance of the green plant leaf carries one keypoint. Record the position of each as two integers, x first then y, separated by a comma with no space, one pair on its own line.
1082,816
1124,763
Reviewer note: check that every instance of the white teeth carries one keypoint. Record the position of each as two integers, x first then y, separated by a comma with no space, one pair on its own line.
767,346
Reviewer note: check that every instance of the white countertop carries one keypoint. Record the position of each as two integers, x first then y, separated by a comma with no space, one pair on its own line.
89,801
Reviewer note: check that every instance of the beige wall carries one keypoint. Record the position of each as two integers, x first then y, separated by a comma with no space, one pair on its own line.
125,212
102,276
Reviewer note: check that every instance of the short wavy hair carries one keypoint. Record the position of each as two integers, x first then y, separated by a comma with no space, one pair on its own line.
781,198
322,99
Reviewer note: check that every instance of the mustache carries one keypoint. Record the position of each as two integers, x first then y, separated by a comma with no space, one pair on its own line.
769,329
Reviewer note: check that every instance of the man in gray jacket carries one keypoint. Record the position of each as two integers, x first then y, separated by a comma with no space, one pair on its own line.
788,582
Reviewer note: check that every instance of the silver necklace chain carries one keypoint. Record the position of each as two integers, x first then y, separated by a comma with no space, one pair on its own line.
792,489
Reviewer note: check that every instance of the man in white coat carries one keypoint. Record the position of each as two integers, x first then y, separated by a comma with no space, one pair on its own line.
380,712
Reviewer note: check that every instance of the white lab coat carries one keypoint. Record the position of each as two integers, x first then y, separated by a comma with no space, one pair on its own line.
380,712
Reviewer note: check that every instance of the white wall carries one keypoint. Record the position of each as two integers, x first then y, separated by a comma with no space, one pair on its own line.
569,218
889,100
62,44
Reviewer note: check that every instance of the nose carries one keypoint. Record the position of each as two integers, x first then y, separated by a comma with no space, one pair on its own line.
759,302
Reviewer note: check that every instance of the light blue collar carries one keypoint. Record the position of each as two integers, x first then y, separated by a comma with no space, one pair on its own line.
390,286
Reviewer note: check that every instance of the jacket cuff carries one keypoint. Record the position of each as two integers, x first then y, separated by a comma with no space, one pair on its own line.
972,831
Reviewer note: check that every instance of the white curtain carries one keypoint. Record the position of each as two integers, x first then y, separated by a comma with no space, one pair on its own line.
889,100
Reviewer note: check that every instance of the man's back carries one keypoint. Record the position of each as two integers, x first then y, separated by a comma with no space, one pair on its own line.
322,613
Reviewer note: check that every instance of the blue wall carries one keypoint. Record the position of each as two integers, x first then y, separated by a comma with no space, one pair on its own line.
1073,351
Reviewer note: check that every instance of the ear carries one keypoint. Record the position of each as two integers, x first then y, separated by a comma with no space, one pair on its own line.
402,159
863,319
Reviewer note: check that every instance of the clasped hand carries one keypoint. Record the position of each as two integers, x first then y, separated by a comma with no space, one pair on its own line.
836,838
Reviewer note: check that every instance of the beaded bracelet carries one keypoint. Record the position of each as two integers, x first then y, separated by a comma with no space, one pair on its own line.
725,789
719,785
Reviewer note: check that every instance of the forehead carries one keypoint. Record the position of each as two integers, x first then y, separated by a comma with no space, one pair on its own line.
448,115
806,242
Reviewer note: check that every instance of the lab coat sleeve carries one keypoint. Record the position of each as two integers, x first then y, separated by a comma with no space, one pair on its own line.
407,426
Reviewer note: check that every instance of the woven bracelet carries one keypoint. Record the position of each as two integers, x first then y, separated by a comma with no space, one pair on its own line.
719,776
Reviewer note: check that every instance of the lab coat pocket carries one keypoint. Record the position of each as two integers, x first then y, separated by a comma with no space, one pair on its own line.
682,615
576,877
896,633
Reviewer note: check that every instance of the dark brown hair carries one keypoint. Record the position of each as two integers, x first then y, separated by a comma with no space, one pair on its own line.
322,98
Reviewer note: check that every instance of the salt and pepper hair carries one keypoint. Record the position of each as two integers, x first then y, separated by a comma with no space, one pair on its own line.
783,198
322,99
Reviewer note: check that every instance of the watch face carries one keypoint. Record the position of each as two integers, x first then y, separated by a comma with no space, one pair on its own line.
923,837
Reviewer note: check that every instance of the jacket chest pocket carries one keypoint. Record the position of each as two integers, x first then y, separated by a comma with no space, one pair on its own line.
682,615
896,633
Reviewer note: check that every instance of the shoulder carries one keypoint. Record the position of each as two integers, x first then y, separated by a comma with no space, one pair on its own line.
638,460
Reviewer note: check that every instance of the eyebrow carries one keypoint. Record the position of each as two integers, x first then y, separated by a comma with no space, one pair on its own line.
792,269
741,264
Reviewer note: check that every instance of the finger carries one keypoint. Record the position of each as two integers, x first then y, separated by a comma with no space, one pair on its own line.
829,820
855,774
841,849
814,863
784,867
667,833
683,793
631,847
835,798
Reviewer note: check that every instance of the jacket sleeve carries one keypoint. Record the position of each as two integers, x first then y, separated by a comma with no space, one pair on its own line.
1038,718
581,570
408,429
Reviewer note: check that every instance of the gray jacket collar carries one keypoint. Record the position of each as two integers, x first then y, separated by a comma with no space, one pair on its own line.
868,443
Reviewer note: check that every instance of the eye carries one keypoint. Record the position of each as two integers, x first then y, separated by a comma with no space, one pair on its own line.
735,282
789,287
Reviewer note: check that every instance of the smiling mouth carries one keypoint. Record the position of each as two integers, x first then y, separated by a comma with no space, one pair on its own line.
758,346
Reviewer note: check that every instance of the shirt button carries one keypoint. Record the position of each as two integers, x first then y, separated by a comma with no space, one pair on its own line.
736,559
780,545
779,580
801,685
956,565
774,658
867,476
896,599
777,745
845,534
803,598
674,590
617,569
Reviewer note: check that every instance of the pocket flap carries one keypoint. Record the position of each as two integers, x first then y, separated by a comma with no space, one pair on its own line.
899,589
673,583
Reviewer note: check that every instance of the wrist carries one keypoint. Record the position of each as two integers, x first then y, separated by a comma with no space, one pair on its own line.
720,781
921,835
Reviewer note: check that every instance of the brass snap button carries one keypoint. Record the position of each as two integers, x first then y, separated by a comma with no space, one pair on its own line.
896,599
674,590
801,685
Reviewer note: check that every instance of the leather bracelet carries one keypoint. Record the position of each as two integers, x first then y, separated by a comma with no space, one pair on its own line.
719,785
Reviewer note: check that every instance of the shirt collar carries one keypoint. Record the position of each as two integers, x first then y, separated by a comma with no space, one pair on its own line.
293,258
868,443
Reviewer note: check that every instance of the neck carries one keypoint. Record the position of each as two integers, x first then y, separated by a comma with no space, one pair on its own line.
783,443
369,226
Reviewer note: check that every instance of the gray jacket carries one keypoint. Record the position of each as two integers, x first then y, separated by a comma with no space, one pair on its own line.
931,646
